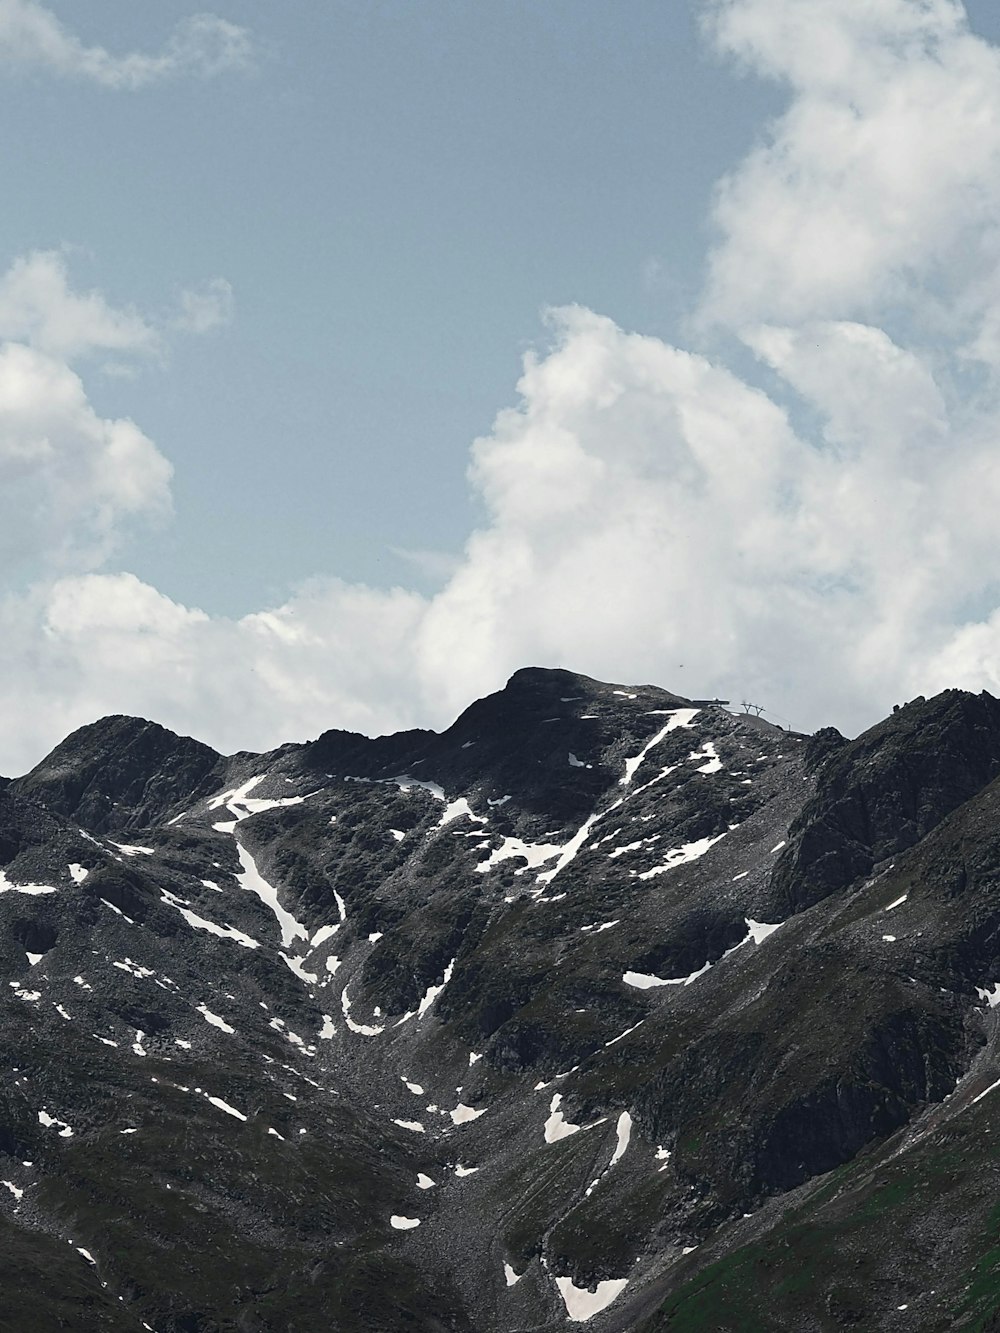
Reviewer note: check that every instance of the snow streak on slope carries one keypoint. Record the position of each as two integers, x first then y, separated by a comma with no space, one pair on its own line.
252,880
679,717
241,805
32,890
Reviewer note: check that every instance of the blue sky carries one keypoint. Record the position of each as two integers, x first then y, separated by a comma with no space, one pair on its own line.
353,355
394,192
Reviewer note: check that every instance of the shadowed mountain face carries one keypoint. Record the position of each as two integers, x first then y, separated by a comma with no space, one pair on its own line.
601,1006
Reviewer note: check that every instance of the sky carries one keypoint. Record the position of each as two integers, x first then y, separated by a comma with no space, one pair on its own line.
354,355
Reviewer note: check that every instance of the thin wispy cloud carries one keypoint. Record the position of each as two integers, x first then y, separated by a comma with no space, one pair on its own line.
206,308
32,37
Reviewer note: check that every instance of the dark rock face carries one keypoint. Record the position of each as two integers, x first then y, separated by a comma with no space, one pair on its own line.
599,984
121,773
883,792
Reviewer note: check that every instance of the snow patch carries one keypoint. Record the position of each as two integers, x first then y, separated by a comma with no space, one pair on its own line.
557,1126
644,981
624,1131
985,1092
202,923
535,854
117,910
252,880
224,1106
134,969
23,994
296,965
712,761
432,992
622,1035
241,805
50,1121
128,850
569,851
582,1304
405,782
679,717
457,810
363,1029
32,889
462,1114
403,1223
759,930
214,1019
677,856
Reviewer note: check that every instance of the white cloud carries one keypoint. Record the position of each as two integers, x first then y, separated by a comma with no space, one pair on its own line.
32,37
38,306
645,509
649,517
880,182
68,477
826,547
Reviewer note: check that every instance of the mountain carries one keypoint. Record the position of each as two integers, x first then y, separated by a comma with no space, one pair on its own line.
603,1006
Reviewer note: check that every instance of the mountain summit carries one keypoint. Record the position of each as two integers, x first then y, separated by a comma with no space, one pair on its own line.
603,1006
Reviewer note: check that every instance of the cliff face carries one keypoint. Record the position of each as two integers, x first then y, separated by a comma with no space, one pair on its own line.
599,1006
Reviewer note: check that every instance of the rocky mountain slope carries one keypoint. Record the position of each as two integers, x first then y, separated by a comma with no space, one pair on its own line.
603,1006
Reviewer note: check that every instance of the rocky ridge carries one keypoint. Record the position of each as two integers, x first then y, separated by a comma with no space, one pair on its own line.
601,1006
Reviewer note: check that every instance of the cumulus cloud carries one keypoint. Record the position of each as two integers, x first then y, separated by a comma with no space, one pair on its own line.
71,481
32,37
69,478
38,306
880,183
825,546
650,516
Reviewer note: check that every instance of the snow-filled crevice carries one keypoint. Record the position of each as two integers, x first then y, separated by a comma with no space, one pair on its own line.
254,882
679,717
432,992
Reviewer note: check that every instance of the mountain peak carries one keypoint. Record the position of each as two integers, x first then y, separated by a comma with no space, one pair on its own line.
119,773
600,1004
